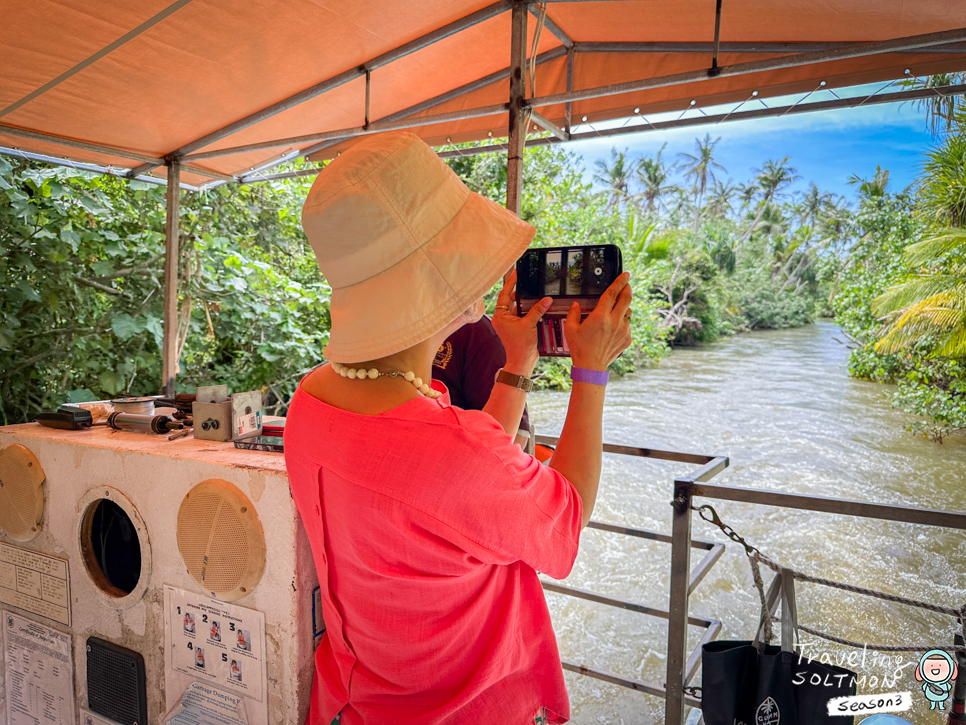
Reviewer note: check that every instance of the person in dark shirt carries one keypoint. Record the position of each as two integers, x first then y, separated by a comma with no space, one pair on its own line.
467,363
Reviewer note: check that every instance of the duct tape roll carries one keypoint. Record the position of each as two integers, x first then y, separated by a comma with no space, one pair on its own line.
138,406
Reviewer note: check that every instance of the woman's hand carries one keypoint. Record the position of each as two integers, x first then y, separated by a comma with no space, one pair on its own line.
518,334
597,341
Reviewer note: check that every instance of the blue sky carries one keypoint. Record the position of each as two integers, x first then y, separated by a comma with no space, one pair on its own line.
825,147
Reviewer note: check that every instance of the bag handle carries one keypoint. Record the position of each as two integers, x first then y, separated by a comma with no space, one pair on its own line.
782,588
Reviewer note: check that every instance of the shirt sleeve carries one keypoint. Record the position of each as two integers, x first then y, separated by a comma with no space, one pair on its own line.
513,508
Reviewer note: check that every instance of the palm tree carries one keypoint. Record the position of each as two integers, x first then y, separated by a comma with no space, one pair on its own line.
614,176
931,305
942,191
874,188
812,203
699,167
772,177
720,203
941,110
652,175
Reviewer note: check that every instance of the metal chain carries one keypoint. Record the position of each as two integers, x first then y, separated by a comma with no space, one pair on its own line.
755,556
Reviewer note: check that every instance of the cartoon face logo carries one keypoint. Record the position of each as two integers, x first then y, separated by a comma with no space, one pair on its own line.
768,713
936,671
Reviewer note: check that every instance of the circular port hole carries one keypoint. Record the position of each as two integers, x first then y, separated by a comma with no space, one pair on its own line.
111,548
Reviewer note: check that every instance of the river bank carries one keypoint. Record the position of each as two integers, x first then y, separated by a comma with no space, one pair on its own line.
781,405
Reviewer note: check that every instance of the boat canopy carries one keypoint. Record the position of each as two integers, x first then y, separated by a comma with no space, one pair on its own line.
231,89
197,93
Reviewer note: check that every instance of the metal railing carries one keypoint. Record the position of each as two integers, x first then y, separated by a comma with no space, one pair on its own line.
690,487
708,467
681,664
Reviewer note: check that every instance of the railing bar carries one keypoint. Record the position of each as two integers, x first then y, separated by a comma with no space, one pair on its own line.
704,566
640,452
619,603
656,690
638,685
691,669
645,534
862,509
709,470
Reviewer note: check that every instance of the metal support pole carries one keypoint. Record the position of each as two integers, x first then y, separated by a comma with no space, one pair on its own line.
677,629
169,350
368,86
569,107
517,122
717,39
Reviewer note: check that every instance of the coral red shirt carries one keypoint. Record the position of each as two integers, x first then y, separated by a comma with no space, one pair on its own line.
428,526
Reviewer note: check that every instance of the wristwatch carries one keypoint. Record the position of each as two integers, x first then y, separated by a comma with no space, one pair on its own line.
514,381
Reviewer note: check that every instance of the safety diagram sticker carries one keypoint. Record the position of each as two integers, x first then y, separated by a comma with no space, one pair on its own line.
215,642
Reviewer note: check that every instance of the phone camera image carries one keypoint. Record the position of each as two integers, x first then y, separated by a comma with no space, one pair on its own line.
567,274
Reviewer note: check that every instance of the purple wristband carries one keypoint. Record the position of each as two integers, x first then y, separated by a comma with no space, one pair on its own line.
585,375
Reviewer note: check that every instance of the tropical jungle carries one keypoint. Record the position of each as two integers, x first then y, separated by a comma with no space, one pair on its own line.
712,252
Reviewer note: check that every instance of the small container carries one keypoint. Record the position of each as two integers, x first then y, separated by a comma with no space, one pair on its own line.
138,406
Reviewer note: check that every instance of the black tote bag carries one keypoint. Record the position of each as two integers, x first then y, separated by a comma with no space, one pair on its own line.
744,683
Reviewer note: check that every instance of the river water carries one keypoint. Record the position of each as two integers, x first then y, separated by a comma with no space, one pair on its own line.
780,405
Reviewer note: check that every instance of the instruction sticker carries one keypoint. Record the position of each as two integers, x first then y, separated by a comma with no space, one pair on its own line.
40,673
204,705
215,642
34,582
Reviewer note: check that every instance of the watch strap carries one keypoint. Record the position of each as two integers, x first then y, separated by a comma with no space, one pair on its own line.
514,381
586,375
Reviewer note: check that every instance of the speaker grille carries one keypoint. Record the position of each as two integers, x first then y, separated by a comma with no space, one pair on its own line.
221,540
116,682
21,493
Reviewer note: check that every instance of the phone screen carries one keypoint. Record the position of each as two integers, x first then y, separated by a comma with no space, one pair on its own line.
567,271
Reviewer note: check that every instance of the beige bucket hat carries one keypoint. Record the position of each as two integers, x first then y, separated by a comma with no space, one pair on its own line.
405,246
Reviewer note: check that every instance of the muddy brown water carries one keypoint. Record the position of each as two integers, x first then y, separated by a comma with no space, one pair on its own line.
781,406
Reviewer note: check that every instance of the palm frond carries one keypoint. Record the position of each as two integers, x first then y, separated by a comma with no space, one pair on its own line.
952,242
914,290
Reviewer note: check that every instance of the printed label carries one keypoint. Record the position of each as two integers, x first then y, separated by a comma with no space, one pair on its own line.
247,424
40,673
35,582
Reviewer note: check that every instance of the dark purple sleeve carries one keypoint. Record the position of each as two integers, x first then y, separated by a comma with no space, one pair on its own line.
475,354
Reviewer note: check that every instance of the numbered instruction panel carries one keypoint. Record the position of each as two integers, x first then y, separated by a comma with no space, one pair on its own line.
216,642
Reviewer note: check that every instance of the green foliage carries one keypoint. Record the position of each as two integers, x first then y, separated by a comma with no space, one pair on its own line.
928,307
901,291
81,288
934,390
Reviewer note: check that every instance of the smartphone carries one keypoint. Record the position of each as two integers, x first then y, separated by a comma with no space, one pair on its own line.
567,274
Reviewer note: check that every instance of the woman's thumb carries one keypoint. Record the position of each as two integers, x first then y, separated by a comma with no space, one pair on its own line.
573,315
539,309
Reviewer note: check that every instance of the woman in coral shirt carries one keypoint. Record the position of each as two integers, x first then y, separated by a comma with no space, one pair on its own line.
428,525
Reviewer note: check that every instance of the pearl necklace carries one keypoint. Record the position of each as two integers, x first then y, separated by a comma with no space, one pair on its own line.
372,374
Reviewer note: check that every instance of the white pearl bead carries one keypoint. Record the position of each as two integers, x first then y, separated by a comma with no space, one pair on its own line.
351,374
373,374
418,382
424,389
410,376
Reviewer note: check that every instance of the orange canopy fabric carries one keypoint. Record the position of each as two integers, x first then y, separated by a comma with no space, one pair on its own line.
151,78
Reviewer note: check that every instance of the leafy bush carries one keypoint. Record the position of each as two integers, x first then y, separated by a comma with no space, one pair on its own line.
81,289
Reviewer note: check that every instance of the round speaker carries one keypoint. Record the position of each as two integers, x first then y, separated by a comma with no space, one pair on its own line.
221,540
21,493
